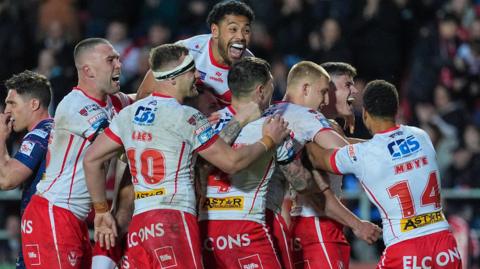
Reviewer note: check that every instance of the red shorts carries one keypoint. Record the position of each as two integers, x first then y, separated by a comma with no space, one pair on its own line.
164,238
437,250
281,237
319,242
109,259
238,244
52,237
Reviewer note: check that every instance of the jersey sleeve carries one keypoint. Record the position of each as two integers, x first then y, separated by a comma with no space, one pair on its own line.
348,160
32,150
113,130
307,125
287,151
196,129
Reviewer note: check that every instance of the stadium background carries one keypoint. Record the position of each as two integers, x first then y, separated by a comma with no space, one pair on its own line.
430,49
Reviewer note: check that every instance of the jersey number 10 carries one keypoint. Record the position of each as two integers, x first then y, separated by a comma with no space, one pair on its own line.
152,166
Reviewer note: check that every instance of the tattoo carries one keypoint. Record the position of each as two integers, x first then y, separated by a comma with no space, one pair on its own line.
299,177
230,132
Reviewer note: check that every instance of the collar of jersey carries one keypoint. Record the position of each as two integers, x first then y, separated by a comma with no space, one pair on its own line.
389,129
157,94
98,101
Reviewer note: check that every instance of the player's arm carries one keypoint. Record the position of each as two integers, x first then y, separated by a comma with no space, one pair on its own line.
248,113
320,157
221,155
125,206
102,149
335,209
299,177
147,86
12,172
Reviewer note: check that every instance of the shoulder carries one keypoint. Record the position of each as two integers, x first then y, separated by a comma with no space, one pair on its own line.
120,100
196,43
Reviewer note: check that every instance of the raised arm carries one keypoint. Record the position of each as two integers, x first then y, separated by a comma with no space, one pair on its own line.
320,157
221,155
12,172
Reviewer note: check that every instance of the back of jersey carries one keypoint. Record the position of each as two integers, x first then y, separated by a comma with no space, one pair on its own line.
398,170
159,136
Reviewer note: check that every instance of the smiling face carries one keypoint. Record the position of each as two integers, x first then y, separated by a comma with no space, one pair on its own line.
344,93
105,68
231,36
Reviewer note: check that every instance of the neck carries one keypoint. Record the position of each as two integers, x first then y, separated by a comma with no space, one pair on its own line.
91,89
38,116
238,104
216,53
294,98
379,126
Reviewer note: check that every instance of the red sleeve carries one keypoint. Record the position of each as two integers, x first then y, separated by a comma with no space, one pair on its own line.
113,136
333,164
207,144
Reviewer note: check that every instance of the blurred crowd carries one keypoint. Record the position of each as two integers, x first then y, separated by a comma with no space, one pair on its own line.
430,49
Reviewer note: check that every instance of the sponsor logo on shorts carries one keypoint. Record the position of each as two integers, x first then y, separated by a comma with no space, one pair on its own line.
442,259
154,230
145,194
415,222
166,257
250,262
72,258
225,203
226,242
33,254
27,226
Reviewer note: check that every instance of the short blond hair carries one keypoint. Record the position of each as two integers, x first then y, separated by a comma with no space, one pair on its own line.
306,69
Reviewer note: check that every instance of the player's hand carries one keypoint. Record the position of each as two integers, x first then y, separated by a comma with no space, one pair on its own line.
248,112
5,126
367,231
276,128
105,230
336,127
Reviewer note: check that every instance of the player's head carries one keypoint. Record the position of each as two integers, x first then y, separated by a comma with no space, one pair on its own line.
250,79
307,84
205,102
98,64
28,93
229,22
172,66
342,89
380,102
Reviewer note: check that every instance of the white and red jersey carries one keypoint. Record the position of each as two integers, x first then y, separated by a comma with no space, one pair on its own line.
242,196
398,170
305,123
212,73
160,137
79,118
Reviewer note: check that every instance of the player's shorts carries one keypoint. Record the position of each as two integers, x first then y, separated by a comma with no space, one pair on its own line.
52,237
238,244
164,238
436,250
116,257
281,237
319,242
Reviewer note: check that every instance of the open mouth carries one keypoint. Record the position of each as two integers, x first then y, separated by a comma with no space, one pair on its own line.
236,50
350,101
116,78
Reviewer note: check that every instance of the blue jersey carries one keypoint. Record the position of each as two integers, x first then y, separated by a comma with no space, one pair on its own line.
32,153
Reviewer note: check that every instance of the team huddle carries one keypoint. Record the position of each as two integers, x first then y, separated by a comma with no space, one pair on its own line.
202,162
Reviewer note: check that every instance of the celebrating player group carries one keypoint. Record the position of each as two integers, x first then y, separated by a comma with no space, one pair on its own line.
202,162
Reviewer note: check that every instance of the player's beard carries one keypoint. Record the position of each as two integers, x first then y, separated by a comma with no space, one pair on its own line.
223,51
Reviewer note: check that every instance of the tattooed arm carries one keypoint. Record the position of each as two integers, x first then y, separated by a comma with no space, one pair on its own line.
300,178
246,113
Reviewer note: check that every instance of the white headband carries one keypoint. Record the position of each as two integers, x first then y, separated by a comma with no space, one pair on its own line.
186,65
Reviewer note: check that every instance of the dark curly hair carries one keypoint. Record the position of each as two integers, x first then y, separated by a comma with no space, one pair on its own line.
32,85
246,73
230,7
380,99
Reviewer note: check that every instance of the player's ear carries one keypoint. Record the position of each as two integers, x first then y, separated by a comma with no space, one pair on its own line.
214,28
34,104
306,89
87,71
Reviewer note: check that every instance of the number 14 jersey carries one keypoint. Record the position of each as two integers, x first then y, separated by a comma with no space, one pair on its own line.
398,170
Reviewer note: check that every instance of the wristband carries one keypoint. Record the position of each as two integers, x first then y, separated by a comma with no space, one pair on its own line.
101,207
325,189
267,142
